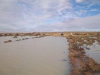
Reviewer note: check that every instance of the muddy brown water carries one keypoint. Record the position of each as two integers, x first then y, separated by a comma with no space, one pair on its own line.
94,52
38,56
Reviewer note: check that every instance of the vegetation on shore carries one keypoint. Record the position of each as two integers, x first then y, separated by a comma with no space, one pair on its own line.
81,63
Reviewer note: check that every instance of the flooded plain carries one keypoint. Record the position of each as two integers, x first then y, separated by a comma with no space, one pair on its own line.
94,51
34,56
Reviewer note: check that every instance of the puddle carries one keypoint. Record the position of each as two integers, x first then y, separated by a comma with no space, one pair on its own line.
97,73
94,51
38,56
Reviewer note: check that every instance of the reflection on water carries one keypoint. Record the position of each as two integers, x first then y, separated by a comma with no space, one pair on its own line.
94,51
38,56
97,73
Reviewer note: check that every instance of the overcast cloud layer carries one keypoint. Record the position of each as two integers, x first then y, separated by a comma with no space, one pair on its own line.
49,15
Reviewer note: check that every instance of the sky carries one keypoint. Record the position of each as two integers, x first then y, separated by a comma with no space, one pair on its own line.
49,15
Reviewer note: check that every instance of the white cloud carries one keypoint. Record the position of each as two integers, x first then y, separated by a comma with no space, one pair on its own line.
90,2
79,1
21,15
95,1
81,12
93,10
88,22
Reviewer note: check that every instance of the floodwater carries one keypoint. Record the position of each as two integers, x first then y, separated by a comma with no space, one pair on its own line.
34,56
94,51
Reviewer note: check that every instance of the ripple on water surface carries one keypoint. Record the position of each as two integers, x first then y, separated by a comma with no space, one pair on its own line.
38,56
